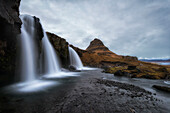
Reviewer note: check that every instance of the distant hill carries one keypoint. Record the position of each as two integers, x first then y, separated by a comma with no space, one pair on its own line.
155,60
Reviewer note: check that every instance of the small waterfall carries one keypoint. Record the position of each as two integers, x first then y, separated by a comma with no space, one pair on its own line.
27,61
75,59
50,59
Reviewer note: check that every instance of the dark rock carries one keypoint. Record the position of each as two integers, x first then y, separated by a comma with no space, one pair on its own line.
10,25
131,67
162,88
147,76
119,73
167,77
38,29
61,47
9,16
72,68
123,73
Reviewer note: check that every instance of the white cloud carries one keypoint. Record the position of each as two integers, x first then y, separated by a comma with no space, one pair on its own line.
129,27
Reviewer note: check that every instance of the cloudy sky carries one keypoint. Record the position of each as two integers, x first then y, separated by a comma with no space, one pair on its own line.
128,27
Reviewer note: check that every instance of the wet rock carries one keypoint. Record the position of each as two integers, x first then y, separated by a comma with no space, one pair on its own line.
162,88
10,25
72,68
61,47
167,77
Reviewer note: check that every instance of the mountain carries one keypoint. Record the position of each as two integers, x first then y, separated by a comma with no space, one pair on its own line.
99,48
98,55
97,44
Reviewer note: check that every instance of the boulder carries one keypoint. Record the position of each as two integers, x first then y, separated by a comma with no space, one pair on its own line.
119,73
72,68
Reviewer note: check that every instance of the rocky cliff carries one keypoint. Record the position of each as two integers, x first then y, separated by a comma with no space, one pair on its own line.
10,25
61,47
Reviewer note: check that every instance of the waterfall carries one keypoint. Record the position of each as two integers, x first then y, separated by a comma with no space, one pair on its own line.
51,62
29,56
27,61
75,59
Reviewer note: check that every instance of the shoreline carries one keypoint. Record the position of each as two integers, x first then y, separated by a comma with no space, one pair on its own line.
88,93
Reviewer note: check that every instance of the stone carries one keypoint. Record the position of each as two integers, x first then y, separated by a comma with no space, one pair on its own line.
162,88
119,73
72,68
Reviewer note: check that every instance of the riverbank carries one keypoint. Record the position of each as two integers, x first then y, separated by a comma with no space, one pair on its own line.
90,92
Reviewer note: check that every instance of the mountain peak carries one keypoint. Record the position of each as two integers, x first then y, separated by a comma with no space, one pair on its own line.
96,44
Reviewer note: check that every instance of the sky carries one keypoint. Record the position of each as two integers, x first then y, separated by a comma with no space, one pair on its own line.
127,27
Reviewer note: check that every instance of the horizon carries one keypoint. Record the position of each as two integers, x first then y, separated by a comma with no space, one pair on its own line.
79,22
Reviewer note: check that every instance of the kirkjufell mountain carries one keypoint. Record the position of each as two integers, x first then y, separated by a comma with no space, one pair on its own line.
98,55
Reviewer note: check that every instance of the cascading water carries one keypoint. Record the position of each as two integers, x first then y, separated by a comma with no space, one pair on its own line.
29,60
75,59
27,65
51,62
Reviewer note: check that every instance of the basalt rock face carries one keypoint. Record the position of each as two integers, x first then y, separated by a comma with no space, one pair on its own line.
38,35
10,25
9,17
61,47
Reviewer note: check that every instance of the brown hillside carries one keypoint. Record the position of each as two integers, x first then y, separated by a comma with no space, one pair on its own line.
98,55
